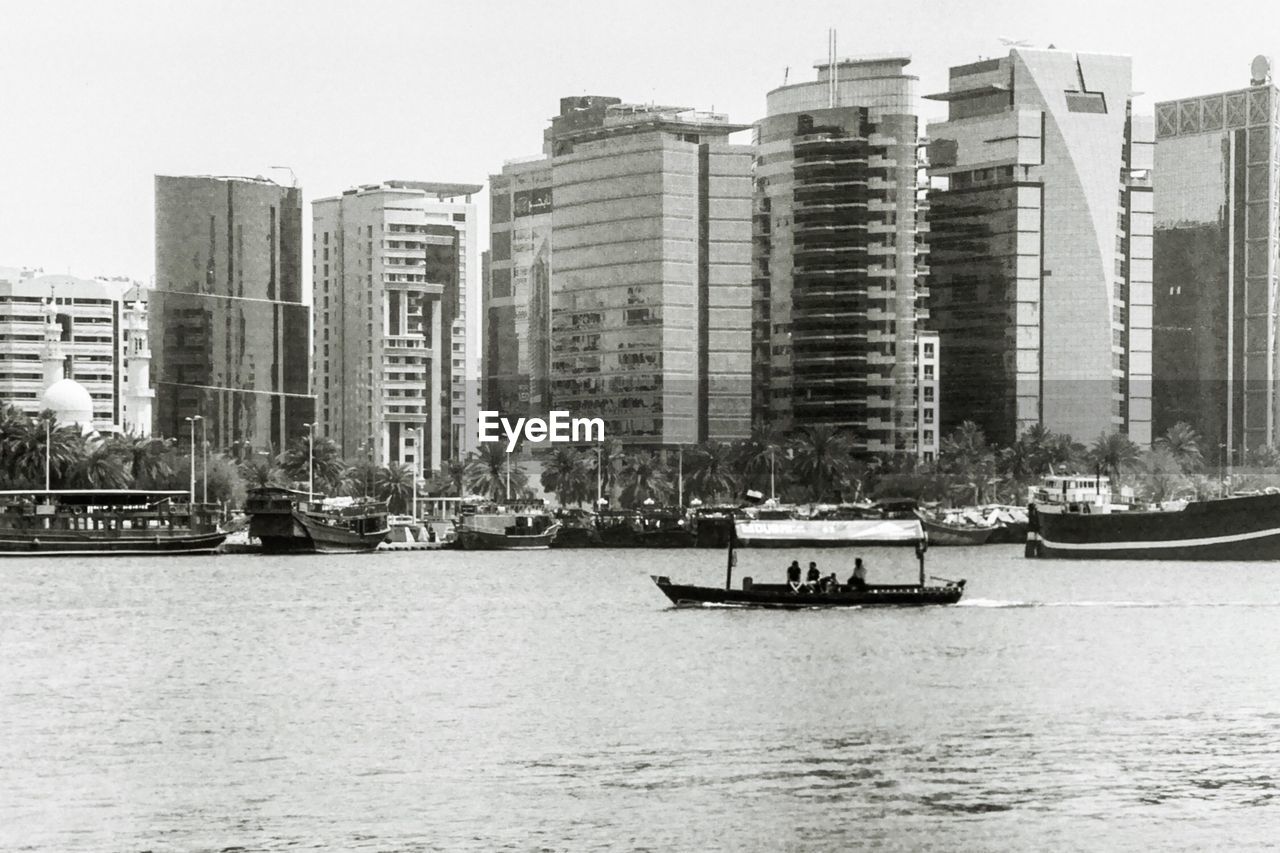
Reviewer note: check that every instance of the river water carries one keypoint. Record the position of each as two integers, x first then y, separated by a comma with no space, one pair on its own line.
553,701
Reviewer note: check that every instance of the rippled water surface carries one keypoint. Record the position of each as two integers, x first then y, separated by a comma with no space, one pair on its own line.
552,700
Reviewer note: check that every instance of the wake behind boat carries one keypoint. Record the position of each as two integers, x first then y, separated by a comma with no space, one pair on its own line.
795,596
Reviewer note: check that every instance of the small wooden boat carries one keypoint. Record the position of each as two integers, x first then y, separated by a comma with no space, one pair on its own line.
520,526
943,533
800,597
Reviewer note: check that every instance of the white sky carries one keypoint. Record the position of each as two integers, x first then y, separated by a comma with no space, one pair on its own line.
97,97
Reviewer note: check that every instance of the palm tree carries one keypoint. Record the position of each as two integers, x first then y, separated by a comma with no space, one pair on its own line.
326,463
644,477
489,472
713,473
362,479
261,473
764,460
99,466
565,473
1162,474
144,456
612,458
1183,444
822,459
965,457
64,445
451,479
395,486
1114,453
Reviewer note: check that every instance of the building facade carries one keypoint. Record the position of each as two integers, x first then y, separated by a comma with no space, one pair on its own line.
1040,228
837,255
1216,196
629,273
99,340
928,401
229,327
518,295
396,290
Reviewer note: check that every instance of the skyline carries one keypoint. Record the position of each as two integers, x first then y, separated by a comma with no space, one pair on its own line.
98,100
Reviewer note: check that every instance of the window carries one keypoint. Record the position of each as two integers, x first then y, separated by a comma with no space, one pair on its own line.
928,371
928,436
928,393
928,415
928,350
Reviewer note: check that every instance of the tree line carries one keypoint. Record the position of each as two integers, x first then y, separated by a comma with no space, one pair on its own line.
811,464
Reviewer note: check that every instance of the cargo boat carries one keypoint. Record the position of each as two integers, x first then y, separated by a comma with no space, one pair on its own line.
286,521
106,521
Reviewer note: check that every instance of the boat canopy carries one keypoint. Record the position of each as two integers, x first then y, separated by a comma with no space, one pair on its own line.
870,531
95,497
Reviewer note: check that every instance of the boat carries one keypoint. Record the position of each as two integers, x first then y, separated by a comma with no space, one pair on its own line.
286,521
787,597
577,529
518,526
663,527
825,533
106,521
945,532
1242,527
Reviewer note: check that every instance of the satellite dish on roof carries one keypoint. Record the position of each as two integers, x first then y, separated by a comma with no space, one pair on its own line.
1260,70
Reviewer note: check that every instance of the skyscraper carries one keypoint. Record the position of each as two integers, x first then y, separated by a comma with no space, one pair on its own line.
229,328
836,222
396,287
1040,247
646,272
1215,351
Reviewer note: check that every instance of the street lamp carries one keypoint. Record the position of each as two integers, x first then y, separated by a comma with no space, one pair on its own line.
47,432
311,460
417,465
204,444
192,421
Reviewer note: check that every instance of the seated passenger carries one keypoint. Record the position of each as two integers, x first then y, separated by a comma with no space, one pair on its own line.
811,579
793,575
830,583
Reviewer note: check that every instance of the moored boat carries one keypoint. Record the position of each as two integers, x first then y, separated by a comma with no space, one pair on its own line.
291,522
803,596
1245,527
521,526
942,532
106,521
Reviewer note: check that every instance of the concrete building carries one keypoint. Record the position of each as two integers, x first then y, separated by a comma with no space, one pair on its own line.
646,272
836,261
1216,196
396,275
86,333
518,297
229,327
928,402
1040,247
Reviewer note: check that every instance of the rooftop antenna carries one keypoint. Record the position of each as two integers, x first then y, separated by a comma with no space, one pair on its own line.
290,171
786,72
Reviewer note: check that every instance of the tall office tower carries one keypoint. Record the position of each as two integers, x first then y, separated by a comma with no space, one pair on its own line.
84,331
651,271
1216,196
518,298
396,292
229,328
836,280
1040,247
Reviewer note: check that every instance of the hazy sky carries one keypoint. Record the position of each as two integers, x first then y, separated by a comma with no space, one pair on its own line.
97,97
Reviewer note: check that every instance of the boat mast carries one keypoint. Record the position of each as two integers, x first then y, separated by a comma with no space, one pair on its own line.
599,478
680,479
772,495
733,558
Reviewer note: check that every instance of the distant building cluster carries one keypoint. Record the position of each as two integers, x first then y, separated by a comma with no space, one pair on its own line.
1040,257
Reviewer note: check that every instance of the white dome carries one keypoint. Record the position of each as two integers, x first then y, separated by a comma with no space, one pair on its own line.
70,402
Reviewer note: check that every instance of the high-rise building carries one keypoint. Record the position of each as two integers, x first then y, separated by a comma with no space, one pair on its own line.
628,253
837,227
1040,247
1216,195
91,332
518,298
396,278
927,400
229,327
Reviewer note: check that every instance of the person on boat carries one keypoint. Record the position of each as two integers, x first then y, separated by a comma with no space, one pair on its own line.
793,575
830,583
813,577
858,580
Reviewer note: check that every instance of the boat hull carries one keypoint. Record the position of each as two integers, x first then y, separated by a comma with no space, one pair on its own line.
487,540
1241,528
298,533
782,597
947,534
52,544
